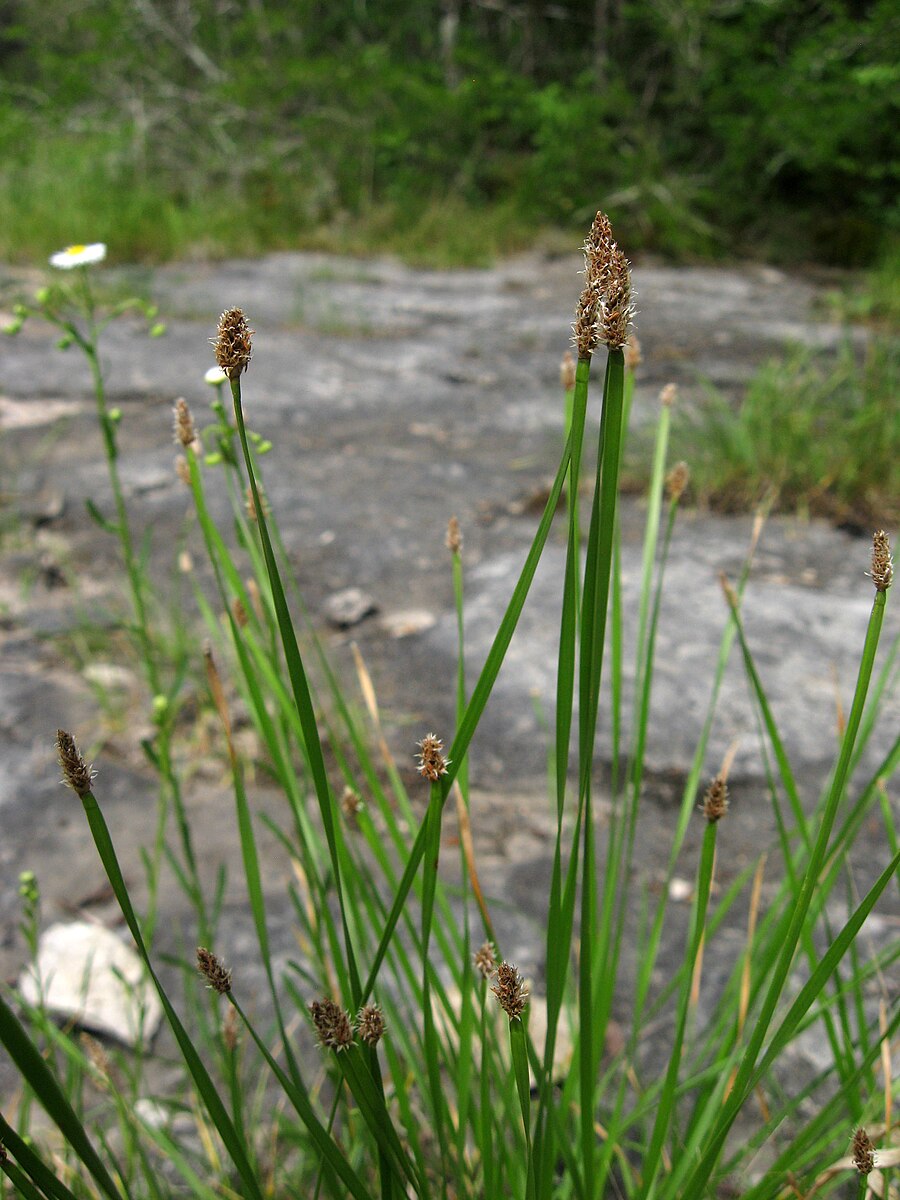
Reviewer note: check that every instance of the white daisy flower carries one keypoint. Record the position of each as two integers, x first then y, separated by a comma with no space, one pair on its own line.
78,256
214,376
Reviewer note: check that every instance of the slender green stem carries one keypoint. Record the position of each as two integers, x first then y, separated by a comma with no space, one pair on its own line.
302,697
519,1056
697,1181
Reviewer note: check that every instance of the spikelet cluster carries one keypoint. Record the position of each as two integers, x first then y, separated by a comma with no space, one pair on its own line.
351,804
185,433
882,572
453,540
232,343
332,1024
485,960
863,1152
370,1024
567,371
432,763
510,990
715,802
216,975
677,480
76,773
604,311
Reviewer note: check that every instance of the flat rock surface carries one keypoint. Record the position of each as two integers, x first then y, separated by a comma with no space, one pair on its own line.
395,398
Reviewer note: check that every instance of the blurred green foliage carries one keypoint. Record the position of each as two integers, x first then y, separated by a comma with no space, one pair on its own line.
704,126
815,432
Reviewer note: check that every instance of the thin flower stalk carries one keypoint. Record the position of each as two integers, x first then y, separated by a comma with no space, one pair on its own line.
713,803
235,361
799,912
106,850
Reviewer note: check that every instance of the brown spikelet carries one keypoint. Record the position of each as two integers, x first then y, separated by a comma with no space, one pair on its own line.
255,598
453,540
250,504
617,309
99,1059
182,470
185,433
216,976
863,1152
728,591
76,773
715,802
633,357
598,242
668,395
510,990
232,343
882,572
567,371
351,804
239,613
677,480
332,1024
604,311
432,763
370,1024
485,960
585,331
230,1029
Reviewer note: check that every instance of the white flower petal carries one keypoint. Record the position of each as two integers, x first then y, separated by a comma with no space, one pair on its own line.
78,256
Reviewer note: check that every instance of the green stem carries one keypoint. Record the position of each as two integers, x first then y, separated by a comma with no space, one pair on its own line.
302,698
697,1182
89,344
519,1055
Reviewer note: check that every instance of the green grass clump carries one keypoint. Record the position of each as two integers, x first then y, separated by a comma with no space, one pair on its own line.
816,434
874,300
420,1085
150,219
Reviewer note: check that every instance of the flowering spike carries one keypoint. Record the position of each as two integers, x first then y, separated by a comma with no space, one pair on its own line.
232,343
185,433
216,975
677,480
882,573
332,1024
715,802
453,540
863,1152
567,371
370,1024
604,311
510,990
432,763
76,773
485,960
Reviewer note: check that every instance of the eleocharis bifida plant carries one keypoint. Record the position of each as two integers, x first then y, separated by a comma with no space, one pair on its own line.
422,1070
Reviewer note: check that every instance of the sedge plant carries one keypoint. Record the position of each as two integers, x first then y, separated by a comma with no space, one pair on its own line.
430,1079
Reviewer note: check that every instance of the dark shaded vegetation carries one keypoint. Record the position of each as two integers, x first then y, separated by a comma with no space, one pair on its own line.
451,130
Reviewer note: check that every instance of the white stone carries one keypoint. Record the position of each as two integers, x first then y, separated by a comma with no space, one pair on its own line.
348,607
91,977
409,621
111,676
680,890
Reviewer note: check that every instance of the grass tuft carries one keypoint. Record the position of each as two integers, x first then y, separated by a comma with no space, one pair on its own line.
672,1083
814,434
